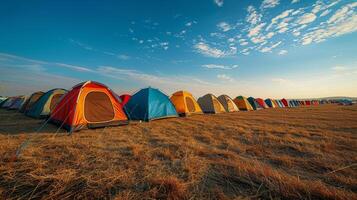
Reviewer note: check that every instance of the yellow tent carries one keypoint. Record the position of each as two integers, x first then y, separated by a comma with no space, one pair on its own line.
185,103
243,103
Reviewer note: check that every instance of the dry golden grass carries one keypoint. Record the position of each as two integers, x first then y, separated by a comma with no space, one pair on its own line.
291,153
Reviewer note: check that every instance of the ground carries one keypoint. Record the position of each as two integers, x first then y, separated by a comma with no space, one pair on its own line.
283,153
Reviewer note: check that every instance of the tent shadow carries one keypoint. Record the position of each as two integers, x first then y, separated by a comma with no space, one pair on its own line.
13,122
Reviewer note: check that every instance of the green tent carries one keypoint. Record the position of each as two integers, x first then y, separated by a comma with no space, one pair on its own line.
45,104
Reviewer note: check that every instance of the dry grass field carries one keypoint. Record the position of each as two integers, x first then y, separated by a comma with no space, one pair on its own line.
291,153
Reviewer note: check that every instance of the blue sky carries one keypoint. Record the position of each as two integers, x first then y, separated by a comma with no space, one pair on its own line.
268,48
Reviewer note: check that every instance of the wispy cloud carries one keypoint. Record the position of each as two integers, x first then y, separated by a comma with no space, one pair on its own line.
225,77
82,45
269,4
219,3
215,66
269,49
204,49
253,16
283,52
224,26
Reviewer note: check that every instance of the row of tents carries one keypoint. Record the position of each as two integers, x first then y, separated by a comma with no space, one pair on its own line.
91,104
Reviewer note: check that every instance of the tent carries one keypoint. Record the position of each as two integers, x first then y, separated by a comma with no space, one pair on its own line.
307,102
46,103
281,105
8,102
228,103
210,104
291,103
4,101
285,102
31,101
242,103
149,104
275,103
185,103
124,98
262,103
270,103
17,103
88,105
254,103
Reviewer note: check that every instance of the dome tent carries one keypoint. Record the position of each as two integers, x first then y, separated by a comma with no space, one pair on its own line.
185,103
285,102
228,103
46,103
270,103
149,104
31,101
210,104
242,103
88,105
262,103
254,103
17,103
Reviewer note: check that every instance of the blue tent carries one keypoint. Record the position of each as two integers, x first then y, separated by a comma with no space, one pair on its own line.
149,104
254,103
269,103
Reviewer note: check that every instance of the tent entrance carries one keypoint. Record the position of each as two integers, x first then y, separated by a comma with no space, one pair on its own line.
98,107
190,105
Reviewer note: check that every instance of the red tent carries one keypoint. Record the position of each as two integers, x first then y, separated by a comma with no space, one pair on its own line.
262,103
285,102
308,103
124,98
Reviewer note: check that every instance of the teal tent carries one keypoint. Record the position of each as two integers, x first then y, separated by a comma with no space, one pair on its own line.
149,104
254,103
46,103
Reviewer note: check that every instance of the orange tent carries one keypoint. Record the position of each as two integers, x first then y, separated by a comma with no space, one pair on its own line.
88,105
185,103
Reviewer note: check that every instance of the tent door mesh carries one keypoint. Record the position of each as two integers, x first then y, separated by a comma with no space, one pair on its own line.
190,105
98,107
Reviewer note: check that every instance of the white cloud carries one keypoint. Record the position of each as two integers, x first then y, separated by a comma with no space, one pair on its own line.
253,16
255,30
269,49
295,1
225,77
219,3
123,57
306,18
224,26
269,4
215,66
281,16
206,50
343,21
283,52
324,13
